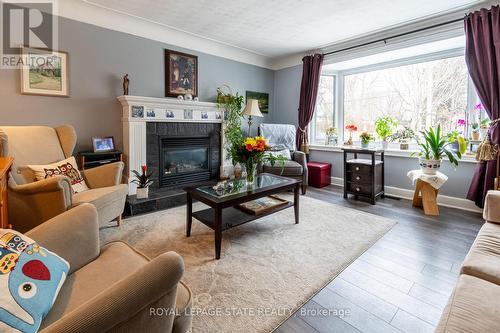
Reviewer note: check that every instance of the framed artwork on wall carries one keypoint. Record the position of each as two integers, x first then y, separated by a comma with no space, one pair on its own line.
181,74
44,72
263,99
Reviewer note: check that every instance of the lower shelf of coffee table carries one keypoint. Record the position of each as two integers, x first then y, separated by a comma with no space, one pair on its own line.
232,217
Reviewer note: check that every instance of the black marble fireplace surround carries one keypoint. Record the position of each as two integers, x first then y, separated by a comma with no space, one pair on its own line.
178,134
167,189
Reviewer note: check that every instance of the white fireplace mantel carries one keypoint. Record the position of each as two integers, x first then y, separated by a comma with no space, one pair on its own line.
138,110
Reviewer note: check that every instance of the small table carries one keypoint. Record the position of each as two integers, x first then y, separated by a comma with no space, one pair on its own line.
90,159
426,190
364,177
222,214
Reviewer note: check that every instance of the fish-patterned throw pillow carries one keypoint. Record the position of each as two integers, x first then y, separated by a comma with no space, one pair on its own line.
67,167
30,280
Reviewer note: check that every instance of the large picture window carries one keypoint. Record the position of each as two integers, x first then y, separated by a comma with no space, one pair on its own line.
417,95
324,113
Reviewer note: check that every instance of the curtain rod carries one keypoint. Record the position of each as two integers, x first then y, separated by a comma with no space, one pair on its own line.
394,36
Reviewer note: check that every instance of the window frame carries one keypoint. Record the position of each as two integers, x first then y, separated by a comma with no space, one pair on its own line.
312,127
339,81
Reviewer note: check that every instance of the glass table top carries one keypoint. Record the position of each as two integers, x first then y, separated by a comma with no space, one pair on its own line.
238,186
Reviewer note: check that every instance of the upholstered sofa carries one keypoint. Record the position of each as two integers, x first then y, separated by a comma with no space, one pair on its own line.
33,202
282,136
474,305
111,287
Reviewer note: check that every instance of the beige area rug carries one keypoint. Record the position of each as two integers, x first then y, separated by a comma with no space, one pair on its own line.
268,267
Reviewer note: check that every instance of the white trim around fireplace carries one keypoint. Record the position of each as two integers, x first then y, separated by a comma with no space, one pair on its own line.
138,110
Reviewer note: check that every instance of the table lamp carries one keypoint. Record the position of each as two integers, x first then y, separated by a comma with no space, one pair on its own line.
252,110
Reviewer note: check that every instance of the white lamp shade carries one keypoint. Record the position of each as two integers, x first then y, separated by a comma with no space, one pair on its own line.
252,108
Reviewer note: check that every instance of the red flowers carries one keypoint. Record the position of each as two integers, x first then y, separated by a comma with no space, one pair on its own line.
351,128
144,168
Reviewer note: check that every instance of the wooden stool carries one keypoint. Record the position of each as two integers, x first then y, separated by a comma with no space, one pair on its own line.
426,196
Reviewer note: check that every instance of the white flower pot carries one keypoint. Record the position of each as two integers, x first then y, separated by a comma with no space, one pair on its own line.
484,132
142,193
429,167
365,145
385,145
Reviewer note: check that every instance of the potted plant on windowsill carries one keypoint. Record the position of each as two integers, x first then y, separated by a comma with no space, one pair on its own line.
485,124
384,127
365,139
143,181
434,147
403,136
475,135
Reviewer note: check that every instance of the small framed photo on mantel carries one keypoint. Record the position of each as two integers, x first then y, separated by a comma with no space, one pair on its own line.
44,72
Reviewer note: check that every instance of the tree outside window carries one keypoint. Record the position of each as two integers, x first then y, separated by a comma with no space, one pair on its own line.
419,96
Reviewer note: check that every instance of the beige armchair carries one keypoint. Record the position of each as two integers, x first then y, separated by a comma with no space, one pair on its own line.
33,202
113,288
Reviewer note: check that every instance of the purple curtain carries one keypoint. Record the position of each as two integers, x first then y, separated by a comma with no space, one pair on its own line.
311,72
482,54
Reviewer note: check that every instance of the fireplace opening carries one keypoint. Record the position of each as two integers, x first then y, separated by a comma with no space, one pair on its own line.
184,160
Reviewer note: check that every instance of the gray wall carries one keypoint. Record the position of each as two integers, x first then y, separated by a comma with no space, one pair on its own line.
98,59
286,95
287,91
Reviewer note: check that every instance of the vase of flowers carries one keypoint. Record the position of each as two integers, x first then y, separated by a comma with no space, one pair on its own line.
251,152
331,136
143,181
365,139
350,128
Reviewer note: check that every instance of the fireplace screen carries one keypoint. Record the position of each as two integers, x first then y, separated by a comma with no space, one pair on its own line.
184,160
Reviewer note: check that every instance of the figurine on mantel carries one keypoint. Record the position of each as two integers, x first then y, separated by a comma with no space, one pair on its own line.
126,82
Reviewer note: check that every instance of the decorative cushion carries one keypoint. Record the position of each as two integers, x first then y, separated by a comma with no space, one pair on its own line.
30,280
284,152
67,167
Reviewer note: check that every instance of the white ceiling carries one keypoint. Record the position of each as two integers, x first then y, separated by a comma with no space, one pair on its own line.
275,28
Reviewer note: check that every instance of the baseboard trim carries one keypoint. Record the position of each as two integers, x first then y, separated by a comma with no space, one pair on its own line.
403,193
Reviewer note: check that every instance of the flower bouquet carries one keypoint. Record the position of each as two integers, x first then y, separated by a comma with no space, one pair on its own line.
350,128
255,150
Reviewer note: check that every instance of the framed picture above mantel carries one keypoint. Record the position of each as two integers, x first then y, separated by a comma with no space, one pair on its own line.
181,74
44,72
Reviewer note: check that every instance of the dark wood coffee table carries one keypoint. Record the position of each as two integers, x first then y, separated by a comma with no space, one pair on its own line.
222,214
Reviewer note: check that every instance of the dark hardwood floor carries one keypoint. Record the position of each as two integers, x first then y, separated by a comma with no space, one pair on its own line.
402,283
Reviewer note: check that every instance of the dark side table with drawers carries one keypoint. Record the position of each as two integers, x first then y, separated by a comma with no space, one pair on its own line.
363,173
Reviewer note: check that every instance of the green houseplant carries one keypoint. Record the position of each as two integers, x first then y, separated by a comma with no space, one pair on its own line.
231,105
384,127
404,137
434,147
475,135
365,139
143,181
485,124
